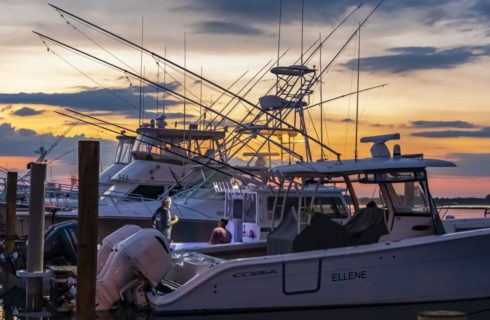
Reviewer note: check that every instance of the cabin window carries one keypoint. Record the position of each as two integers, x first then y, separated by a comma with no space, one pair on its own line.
408,197
290,202
332,207
148,192
237,210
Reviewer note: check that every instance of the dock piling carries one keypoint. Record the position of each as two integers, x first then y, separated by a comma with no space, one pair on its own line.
35,247
10,220
88,204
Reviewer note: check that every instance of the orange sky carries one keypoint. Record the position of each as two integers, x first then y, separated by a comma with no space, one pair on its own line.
434,58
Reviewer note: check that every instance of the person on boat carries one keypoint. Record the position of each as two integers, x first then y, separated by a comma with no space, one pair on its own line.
163,220
220,234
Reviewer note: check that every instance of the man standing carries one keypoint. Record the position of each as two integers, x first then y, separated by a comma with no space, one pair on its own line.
220,234
163,220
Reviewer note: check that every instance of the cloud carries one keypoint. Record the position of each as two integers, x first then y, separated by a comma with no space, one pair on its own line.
24,142
406,59
468,164
480,133
441,124
26,111
267,11
6,108
222,27
123,101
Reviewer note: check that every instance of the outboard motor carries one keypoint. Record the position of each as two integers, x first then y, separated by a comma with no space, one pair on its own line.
111,240
61,243
144,254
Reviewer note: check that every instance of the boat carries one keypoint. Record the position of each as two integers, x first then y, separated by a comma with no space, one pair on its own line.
395,254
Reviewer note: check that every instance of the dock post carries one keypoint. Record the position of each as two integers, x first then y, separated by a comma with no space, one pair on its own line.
10,219
88,205
35,246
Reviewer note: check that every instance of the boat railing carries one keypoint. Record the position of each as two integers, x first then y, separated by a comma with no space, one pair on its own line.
471,211
117,200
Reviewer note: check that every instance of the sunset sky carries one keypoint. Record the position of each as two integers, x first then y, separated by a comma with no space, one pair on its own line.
433,55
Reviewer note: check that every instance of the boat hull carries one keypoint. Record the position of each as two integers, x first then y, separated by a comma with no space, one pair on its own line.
422,270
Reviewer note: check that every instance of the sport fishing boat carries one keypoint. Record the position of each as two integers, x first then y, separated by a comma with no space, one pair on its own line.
392,254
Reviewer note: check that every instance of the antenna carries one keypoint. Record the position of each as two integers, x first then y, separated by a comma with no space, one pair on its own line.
185,77
141,72
358,76
302,24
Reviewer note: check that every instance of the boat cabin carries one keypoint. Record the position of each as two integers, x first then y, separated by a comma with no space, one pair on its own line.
254,212
174,145
397,206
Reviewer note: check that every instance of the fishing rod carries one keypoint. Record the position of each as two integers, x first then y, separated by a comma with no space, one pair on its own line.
154,84
345,95
153,54
319,76
154,145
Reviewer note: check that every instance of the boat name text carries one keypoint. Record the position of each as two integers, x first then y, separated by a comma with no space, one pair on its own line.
351,275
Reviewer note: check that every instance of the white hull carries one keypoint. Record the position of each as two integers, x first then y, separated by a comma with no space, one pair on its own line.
419,270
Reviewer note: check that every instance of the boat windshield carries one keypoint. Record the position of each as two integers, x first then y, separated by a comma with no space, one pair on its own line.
123,152
406,191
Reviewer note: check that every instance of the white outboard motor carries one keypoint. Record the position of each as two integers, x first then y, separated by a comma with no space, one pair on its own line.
144,254
111,240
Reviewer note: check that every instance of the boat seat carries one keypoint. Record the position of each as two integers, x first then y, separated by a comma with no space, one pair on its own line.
367,226
322,233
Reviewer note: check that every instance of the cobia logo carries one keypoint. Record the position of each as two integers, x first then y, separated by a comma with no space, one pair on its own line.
253,273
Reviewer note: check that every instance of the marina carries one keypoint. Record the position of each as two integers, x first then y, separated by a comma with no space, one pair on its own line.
246,197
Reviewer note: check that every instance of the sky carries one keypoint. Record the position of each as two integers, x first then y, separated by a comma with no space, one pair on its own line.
433,56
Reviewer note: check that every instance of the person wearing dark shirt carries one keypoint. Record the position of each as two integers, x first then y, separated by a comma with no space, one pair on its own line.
220,234
163,220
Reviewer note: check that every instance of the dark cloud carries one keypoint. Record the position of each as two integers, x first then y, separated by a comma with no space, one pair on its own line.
267,11
442,124
408,59
178,115
123,101
480,133
26,112
468,164
24,142
481,8
221,27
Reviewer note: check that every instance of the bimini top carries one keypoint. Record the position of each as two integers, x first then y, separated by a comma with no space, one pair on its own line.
334,168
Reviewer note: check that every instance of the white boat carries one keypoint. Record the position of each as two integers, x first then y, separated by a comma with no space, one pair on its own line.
145,167
393,255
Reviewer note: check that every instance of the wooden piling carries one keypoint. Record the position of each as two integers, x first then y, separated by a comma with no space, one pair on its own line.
88,204
35,246
10,220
